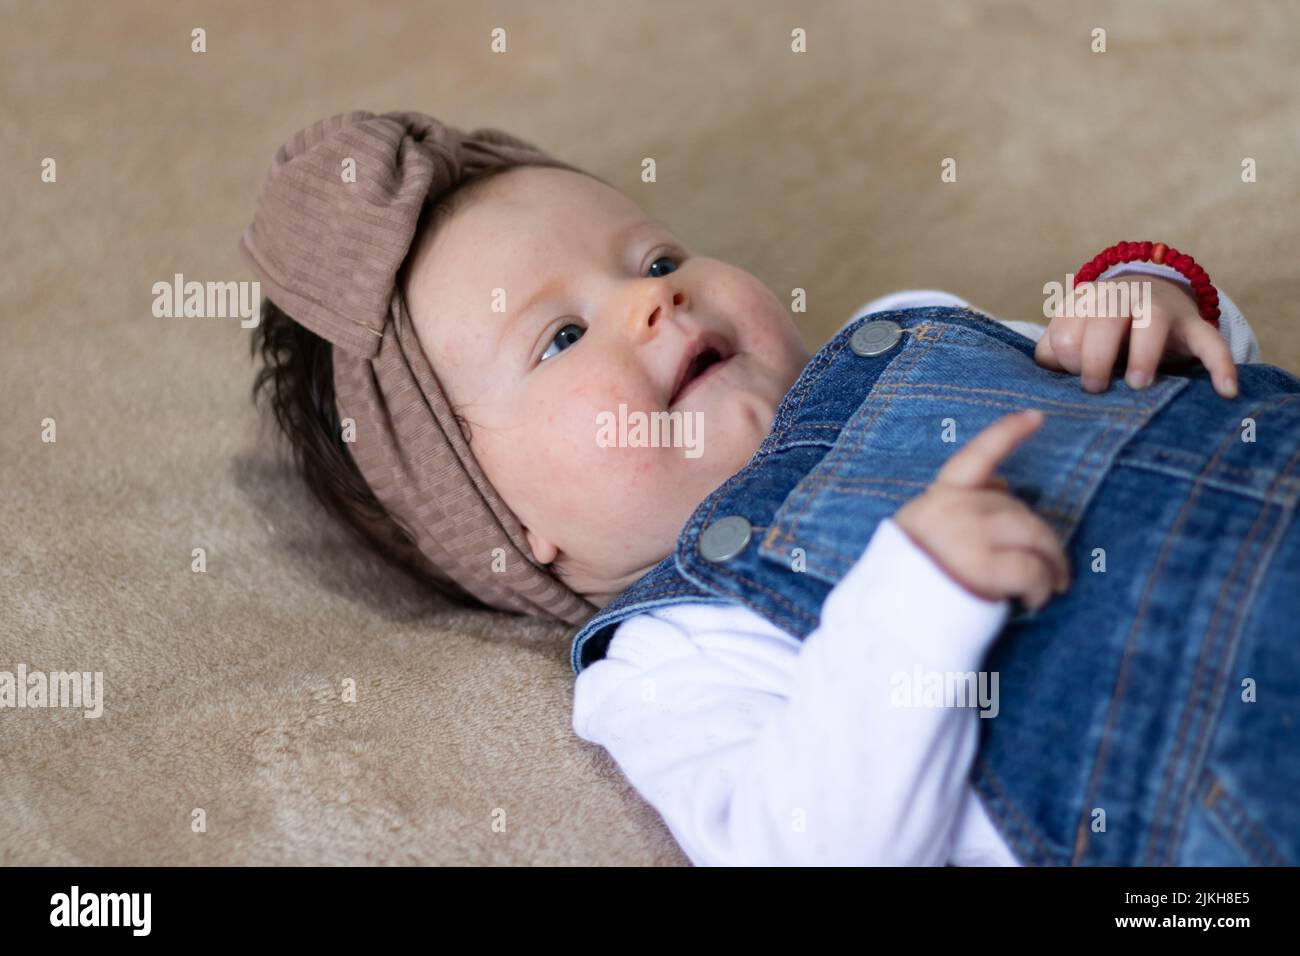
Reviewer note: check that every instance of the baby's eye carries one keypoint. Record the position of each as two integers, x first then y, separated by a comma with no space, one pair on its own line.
563,338
659,260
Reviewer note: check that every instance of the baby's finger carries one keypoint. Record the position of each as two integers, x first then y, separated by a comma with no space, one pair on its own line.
1145,347
1045,356
1021,528
1101,343
1067,341
1204,341
1013,572
973,465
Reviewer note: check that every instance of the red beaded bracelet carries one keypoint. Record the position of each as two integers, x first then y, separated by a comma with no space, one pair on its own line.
1207,296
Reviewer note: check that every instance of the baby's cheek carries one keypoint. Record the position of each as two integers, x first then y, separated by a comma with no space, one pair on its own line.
572,438
575,440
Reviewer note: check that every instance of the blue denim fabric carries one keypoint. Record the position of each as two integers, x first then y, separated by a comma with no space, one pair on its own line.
1121,702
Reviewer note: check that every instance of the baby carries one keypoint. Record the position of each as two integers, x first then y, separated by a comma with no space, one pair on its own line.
755,624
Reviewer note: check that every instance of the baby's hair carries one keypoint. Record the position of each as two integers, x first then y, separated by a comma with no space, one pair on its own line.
296,381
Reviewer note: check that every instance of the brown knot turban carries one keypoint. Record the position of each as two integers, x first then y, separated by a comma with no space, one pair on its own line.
327,247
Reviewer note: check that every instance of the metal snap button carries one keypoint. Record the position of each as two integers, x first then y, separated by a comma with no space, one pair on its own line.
875,338
725,538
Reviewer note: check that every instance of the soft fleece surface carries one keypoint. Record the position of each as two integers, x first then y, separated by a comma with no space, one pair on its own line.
818,171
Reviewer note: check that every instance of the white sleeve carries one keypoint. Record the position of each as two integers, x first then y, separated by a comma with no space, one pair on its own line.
758,750
1234,328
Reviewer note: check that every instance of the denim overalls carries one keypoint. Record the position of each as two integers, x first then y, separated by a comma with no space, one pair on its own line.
1151,715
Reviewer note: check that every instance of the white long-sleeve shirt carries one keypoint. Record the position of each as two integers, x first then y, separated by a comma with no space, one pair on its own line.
759,749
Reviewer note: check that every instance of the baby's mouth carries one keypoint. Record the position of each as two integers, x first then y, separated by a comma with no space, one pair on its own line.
700,362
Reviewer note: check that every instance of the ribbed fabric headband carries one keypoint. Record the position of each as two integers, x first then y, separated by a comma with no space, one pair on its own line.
327,248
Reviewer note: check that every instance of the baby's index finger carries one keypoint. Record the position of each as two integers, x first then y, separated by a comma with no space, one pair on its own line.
973,465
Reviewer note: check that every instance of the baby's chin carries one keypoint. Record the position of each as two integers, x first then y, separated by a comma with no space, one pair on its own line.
733,428
743,403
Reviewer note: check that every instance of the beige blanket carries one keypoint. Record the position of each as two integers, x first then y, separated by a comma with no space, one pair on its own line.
228,733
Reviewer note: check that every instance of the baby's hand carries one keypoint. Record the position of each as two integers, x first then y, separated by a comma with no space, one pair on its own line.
1090,346
984,538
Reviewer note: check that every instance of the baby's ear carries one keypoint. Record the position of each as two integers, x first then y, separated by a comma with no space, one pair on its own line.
543,551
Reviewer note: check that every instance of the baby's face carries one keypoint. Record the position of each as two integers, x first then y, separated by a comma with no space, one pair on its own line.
552,299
